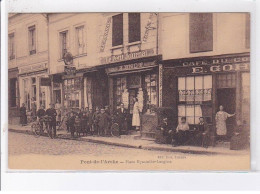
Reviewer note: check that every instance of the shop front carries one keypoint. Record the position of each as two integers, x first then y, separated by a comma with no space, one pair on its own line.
139,80
196,87
34,87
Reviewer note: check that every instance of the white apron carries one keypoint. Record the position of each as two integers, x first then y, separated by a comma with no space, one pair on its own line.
136,116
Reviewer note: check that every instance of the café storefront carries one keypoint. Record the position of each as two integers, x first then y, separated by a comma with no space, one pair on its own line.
196,87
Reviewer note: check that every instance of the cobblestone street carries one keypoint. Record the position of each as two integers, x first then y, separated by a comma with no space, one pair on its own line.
30,152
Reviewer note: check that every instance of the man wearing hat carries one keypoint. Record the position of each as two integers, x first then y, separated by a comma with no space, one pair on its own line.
121,117
51,112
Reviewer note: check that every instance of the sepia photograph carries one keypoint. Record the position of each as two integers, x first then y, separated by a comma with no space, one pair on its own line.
166,91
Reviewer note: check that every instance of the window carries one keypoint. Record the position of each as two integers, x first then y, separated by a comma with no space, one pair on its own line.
151,88
63,43
32,40
42,96
248,30
80,44
134,27
34,89
72,92
13,92
117,30
195,95
226,80
27,99
120,87
11,46
201,32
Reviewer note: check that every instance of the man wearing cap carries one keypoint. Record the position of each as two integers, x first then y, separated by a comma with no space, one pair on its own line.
51,112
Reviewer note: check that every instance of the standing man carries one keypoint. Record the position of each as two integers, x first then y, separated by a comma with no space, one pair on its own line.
23,116
51,112
40,115
121,117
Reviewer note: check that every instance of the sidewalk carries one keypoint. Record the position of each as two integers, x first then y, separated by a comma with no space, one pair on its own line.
129,142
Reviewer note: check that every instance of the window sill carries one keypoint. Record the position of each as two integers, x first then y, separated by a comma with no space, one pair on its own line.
117,47
134,43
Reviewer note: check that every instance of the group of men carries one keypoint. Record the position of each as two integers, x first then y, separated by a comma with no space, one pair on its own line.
181,135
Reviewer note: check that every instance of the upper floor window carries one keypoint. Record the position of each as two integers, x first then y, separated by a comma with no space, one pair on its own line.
247,30
80,43
134,27
32,39
117,30
11,51
63,43
201,32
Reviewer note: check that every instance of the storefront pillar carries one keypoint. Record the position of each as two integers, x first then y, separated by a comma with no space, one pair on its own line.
214,109
238,96
110,93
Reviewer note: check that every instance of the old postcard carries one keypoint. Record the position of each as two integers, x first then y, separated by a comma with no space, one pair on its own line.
129,91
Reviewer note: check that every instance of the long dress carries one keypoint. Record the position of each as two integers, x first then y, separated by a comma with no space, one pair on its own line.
136,116
221,127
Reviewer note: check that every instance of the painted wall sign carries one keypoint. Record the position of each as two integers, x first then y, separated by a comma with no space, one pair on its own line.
148,27
217,61
128,67
33,68
127,56
104,40
212,69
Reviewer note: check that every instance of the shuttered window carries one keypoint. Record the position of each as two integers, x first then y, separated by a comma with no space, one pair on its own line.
201,32
117,30
134,28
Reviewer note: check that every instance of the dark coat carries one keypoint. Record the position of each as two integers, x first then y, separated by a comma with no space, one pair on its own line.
51,112
103,120
41,112
71,121
23,116
121,116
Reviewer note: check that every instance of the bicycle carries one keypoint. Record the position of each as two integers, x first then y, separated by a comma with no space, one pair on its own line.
41,126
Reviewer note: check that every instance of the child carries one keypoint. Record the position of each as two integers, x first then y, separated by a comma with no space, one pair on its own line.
84,123
77,125
103,123
70,124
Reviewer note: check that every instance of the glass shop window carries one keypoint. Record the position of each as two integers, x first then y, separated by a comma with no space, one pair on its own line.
151,89
120,87
195,98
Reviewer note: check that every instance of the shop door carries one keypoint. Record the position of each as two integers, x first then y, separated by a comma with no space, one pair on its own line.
226,96
132,95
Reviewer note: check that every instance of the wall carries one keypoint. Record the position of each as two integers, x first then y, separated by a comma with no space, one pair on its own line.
228,35
19,24
62,22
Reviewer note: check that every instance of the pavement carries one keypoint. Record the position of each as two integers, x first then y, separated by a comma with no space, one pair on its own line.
131,142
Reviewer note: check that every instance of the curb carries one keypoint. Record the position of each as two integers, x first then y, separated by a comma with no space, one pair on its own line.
144,147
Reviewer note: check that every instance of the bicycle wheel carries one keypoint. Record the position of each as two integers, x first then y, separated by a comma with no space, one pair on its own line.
115,130
36,129
48,131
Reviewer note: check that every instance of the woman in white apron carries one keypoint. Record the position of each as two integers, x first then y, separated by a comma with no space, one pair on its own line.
221,117
136,115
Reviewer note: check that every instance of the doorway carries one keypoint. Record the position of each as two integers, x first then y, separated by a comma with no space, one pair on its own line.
227,98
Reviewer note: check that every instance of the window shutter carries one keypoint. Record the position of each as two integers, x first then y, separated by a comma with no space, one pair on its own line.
201,32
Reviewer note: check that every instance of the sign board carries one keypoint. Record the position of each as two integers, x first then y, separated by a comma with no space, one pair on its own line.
127,56
45,81
70,70
129,67
33,68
